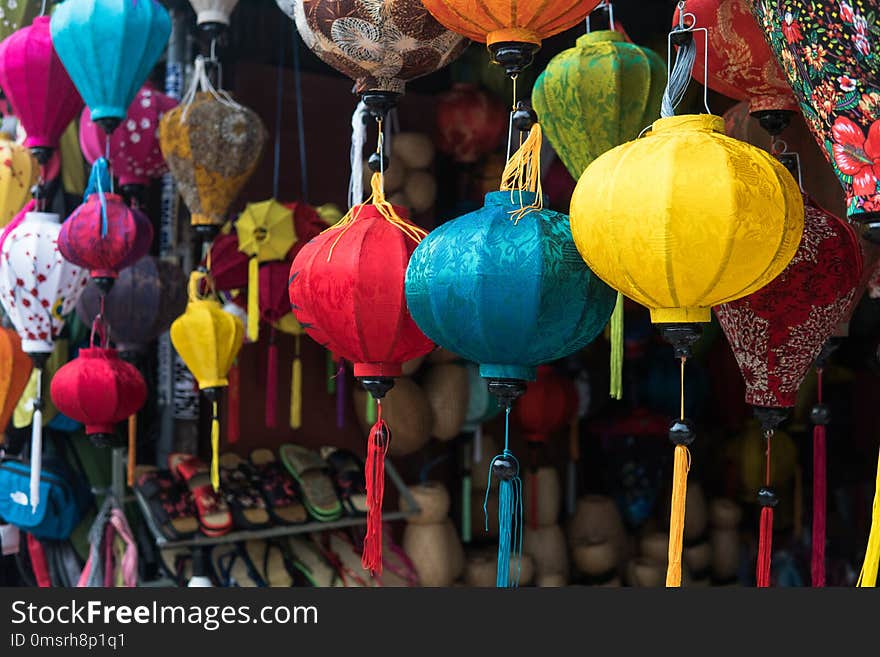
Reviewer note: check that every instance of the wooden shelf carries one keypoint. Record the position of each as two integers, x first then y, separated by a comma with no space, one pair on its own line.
200,540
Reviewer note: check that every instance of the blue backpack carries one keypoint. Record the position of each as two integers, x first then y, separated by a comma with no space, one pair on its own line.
65,495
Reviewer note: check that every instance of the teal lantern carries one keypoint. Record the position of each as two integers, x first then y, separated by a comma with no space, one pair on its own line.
506,293
109,48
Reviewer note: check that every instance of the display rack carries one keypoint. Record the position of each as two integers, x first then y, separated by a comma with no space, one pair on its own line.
286,530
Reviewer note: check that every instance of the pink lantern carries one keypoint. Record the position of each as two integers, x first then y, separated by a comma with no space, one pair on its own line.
135,156
38,87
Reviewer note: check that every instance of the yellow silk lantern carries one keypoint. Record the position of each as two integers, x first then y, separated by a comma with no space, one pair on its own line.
686,218
208,340
18,173
265,232
682,220
288,324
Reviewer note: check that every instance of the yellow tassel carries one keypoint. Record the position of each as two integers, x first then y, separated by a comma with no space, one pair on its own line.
522,173
377,198
215,448
676,514
868,576
132,447
253,304
296,391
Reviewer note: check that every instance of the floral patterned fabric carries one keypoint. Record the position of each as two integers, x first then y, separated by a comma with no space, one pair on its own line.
777,332
830,53
380,44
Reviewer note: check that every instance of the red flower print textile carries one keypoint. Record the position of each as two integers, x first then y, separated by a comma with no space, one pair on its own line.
777,332
829,52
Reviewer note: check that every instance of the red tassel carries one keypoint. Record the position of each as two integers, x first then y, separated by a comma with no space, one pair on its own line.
272,383
765,547
380,438
232,400
817,562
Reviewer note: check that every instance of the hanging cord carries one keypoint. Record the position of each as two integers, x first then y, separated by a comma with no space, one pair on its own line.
279,97
820,417
202,83
510,511
680,75
300,120
767,499
358,140
681,435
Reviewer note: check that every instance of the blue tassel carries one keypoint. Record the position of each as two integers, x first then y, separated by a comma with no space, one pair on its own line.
99,182
510,512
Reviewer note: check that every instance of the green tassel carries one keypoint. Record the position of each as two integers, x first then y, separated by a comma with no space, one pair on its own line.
616,387
371,409
331,374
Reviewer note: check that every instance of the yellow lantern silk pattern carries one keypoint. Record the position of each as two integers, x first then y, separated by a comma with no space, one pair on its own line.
18,173
686,218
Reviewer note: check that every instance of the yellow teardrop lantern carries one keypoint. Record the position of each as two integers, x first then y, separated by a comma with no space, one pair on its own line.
686,218
265,232
18,173
208,340
682,220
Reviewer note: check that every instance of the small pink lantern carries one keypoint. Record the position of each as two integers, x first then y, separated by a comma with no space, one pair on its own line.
38,87
135,156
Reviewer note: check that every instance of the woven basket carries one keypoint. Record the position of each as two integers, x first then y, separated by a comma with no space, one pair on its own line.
436,552
546,545
594,558
406,411
433,500
544,511
446,387
596,518
481,568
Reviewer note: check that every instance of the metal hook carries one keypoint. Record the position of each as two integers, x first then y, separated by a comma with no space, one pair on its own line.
684,26
607,6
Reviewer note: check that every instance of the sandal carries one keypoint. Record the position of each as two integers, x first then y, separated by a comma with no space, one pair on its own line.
177,564
213,514
340,553
347,471
233,567
170,503
271,562
315,486
240,486
278,489
309,560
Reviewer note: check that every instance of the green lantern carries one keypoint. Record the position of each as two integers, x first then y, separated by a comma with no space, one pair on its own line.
598,95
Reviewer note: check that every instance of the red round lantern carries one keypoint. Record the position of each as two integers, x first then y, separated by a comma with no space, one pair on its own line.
470,122
98,389
347,291
227,265
741,65
548,405
307,223
102,235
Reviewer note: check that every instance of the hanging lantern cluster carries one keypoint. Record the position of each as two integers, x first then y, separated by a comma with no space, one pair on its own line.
832,62
469,123
347,291
381,45
38,289
135,156
738,62
109,48
38,87
212,146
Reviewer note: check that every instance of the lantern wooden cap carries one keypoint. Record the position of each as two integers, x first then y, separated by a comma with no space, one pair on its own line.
706,122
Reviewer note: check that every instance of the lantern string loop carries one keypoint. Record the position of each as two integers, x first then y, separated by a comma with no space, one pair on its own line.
608,6
202,83
377,199
682,35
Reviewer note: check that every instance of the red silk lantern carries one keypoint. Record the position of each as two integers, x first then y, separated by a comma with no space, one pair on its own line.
101,235
227,265
37,87
548,405
741,65
307,223
98,389
347,291
777,332
469,123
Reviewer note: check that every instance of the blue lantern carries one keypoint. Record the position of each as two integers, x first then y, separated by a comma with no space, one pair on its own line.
508,294
109,48
504,286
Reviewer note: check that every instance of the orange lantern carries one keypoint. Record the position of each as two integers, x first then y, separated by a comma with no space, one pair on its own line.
15,371
511,29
